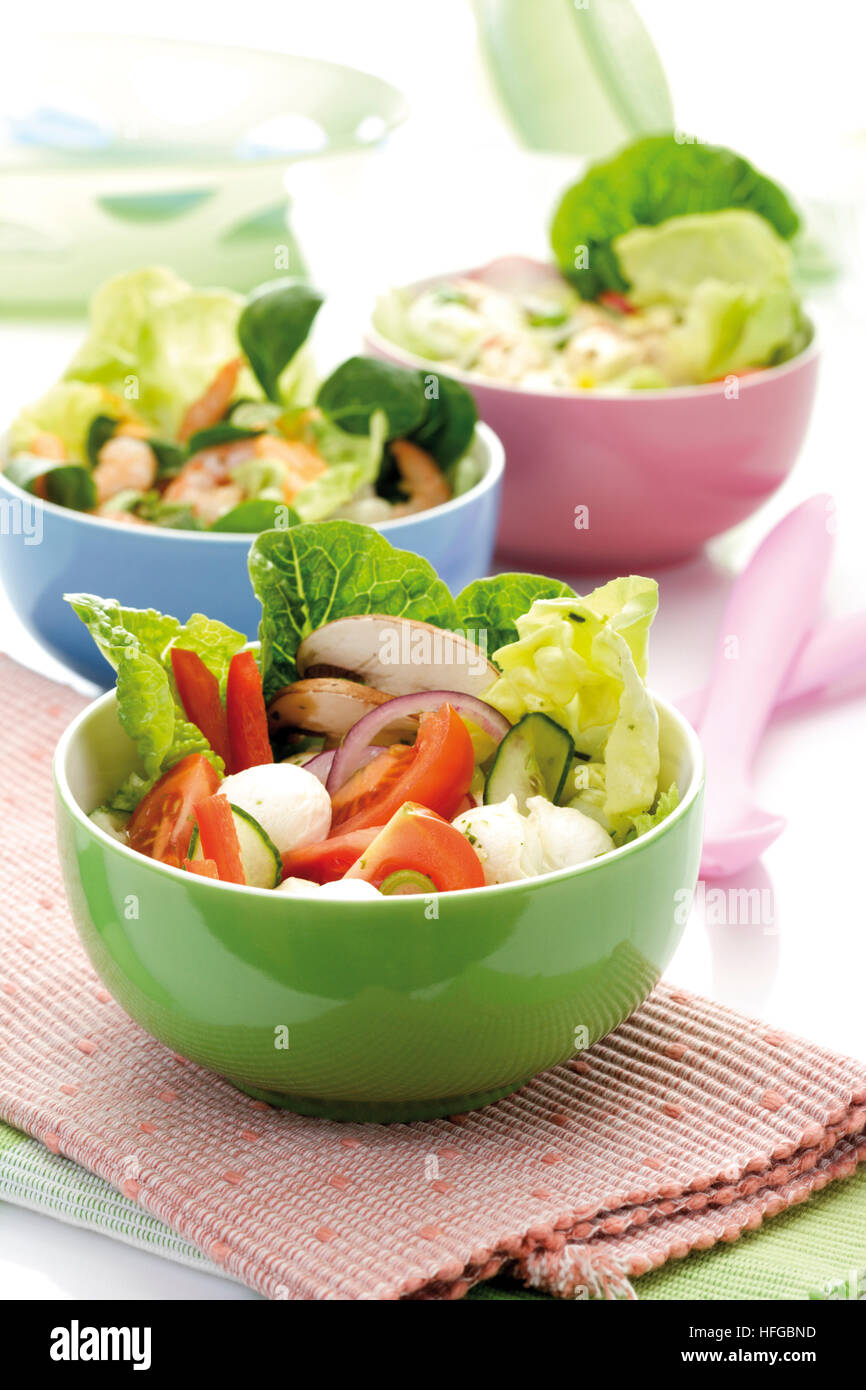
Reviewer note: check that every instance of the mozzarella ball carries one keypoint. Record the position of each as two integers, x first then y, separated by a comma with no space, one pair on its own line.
289,803
506,842
567,837
299,888
342,889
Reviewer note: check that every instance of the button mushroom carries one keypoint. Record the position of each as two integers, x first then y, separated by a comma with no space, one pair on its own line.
330,705
399,656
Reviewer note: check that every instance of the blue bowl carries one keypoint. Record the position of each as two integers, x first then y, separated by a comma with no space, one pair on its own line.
47,551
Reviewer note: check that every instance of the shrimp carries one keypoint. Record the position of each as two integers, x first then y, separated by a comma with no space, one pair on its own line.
421,477
124,463
47,446
301,461
212,405
204,483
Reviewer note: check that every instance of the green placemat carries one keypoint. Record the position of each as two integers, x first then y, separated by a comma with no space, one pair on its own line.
816,1250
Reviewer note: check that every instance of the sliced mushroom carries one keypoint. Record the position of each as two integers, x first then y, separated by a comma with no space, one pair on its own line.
398,655
331,706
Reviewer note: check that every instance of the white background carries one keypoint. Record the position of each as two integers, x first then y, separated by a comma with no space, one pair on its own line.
784,83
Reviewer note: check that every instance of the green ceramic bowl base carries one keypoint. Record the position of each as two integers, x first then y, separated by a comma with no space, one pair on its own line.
405,1009
379,1112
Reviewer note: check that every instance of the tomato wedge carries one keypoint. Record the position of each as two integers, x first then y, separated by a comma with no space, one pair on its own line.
436,773
247,720
219,839
162,823
371,783
329,859
199,694
418,842
205,868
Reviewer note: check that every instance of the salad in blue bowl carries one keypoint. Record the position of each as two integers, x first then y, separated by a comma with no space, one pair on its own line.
190,420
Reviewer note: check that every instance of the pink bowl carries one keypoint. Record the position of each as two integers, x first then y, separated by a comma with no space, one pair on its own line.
636,480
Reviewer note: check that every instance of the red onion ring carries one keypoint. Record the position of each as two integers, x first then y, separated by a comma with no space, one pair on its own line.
350,755
320,763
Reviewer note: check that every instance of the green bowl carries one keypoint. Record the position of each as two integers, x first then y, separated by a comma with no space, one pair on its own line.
404,1009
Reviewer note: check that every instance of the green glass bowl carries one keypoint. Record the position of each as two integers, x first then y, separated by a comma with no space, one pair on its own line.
404,1009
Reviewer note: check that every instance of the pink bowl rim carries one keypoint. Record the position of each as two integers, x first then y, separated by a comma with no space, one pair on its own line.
748,382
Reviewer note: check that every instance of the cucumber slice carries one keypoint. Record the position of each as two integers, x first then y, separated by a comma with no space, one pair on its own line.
263,867
532,760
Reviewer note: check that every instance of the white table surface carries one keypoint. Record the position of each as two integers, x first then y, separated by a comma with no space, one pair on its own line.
805,968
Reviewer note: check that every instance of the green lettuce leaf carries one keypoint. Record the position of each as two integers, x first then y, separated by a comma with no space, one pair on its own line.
729,277
583,662
67,484
654,178
665,803
354,462
666,264
488,609
137,643
313,573
361,386
274,326
158,343
67,410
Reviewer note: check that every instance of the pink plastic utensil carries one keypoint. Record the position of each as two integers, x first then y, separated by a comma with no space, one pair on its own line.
771,607
833,658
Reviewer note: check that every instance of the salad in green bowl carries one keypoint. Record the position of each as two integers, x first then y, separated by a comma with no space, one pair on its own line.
200,410
385,738
673,268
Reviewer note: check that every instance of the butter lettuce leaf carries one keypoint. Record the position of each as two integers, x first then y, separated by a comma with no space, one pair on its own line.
158,343
583,662
354,461
313,573
729,277
67,410
651,180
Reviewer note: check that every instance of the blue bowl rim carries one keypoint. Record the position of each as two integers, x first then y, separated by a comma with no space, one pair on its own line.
495,466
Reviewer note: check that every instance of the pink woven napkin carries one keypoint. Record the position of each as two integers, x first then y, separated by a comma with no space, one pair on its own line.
687,1126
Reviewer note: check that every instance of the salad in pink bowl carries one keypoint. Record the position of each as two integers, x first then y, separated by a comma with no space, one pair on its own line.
651,385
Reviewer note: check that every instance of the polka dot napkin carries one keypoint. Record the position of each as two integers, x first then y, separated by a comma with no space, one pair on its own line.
687,1126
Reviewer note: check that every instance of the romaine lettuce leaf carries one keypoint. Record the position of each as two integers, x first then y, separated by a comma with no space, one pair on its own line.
583,662
310,574
492,606
137,643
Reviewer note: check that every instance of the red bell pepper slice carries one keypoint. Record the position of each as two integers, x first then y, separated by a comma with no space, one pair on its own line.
246,716
219,839
199,694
